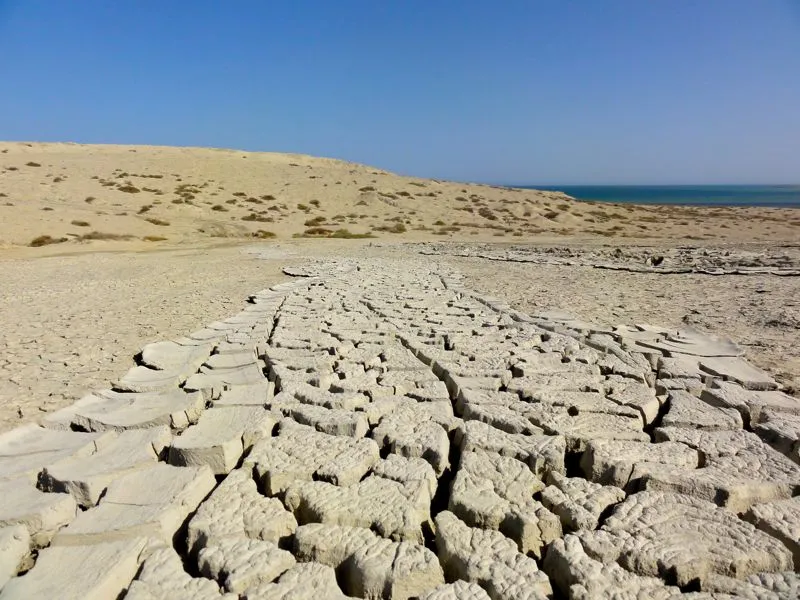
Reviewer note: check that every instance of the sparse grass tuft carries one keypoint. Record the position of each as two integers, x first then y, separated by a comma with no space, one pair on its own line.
155,221
80,223
33,164
154,238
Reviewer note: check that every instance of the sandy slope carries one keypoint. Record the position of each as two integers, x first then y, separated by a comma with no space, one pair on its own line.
203,196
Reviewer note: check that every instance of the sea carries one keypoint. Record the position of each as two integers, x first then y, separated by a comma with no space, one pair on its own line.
781,196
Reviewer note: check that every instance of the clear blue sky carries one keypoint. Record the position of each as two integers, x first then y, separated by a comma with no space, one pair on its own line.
516,91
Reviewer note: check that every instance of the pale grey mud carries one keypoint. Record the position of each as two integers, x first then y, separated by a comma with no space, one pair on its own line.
375,429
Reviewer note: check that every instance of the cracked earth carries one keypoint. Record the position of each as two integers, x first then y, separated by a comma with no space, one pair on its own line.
377,429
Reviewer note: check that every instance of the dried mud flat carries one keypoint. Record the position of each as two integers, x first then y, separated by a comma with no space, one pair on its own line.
375,428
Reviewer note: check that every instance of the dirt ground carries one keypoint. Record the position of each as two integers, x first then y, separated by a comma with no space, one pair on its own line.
73,323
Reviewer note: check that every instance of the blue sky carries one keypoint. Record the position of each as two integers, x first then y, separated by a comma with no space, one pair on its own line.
518,91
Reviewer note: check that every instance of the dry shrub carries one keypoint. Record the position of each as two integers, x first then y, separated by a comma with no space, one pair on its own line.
154,238
314,222
317,232
80,223
257,218
219,208
99,235
159,222
45,240
129,189
396,228
263,234
486,213
33,164
345,234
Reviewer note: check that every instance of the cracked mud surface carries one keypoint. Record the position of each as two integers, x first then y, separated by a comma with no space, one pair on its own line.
374,428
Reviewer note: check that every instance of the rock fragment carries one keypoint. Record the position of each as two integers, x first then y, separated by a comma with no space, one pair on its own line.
40,513
388,507
152,502
162,577
496,492
489,559
459,590
577,502
25,450
86,478
235,509
762,586
579,576
750,404
372,567
738,470
623,464
781,520
15,547
299,453
221,436
117,411
238,564
304,581
542,454
93,572
687,539
686,410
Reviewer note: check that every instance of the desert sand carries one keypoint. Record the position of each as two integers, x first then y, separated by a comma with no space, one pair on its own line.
536,398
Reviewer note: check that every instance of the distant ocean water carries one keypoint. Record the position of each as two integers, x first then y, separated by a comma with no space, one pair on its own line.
782,196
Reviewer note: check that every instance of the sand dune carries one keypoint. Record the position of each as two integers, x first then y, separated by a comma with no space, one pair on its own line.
64,197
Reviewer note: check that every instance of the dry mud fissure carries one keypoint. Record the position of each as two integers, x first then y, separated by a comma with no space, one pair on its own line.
374,429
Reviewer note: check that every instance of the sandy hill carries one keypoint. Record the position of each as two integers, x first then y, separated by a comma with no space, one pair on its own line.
71,196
